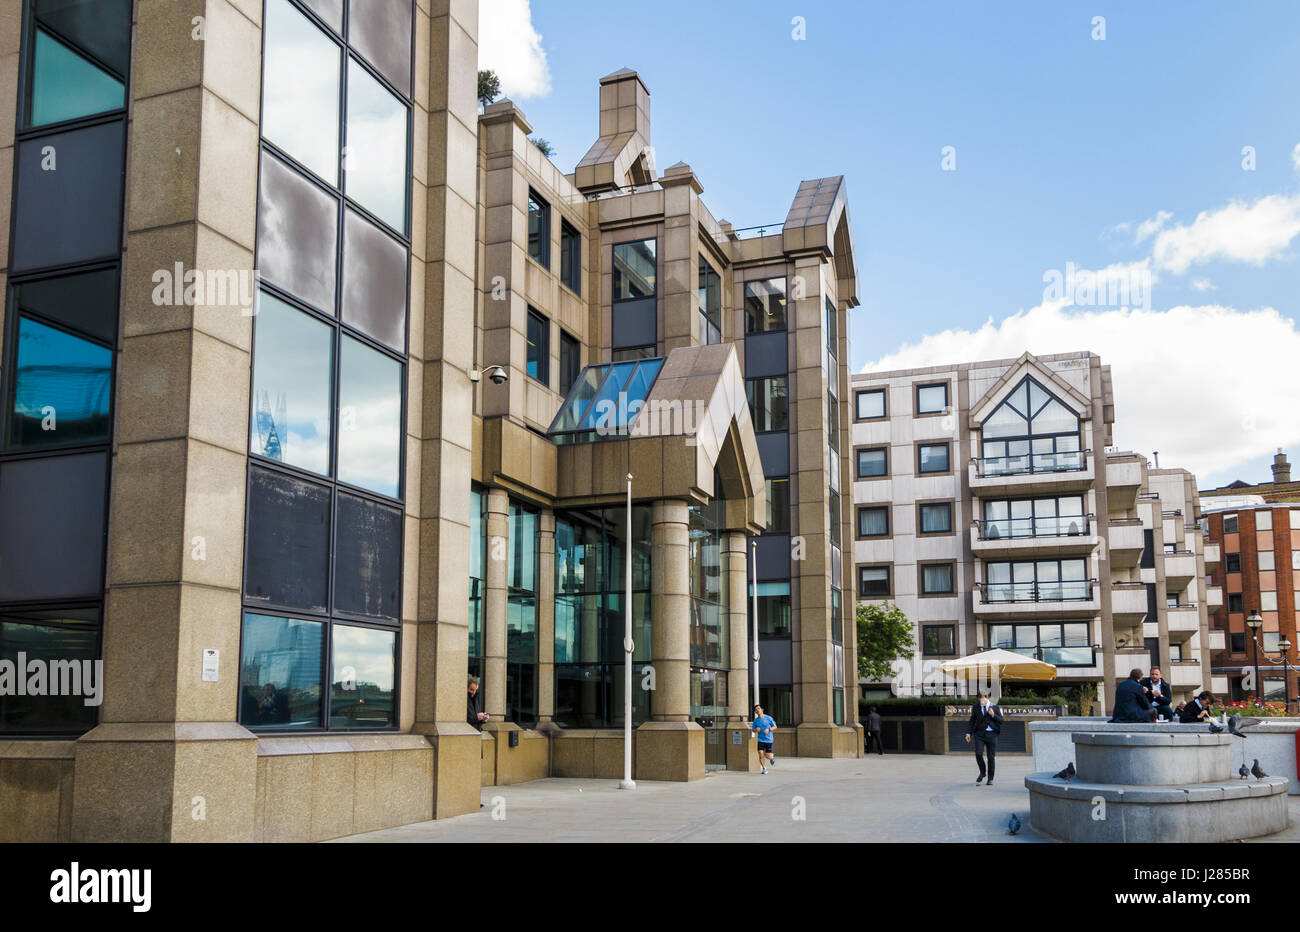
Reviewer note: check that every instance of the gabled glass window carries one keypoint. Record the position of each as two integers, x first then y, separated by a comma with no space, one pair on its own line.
605,401
1030,431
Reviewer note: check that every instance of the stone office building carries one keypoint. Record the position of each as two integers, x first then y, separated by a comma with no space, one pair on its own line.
990,506
291,510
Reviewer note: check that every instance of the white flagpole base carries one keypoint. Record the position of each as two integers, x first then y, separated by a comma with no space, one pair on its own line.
627,784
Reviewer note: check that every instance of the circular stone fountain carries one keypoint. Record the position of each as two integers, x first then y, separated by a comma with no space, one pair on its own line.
1156,787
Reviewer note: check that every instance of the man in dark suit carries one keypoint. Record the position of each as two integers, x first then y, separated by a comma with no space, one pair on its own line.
1131,702
1198,710
1160,694
983,730
873,732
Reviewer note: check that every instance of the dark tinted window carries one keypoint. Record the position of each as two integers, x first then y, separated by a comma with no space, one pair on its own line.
288,542
634,270
539,229
297,229
52,527
539,348
52,637
381,31
368,558
62,388
78,53
374,281
570,257
280,668
570,362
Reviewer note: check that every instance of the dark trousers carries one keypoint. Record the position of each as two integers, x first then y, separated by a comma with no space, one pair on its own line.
985,742
873,736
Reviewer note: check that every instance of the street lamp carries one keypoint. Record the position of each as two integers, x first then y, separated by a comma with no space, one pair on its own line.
1284,646
1255,622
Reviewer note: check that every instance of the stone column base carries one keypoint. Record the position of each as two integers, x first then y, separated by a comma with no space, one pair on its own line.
670,751
165,781
742,756
457,768
826,739
529,759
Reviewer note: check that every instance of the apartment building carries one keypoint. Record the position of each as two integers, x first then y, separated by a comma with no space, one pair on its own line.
1256,587
990,507
322,391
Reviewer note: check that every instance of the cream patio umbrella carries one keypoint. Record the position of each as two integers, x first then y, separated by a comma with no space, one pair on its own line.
994,664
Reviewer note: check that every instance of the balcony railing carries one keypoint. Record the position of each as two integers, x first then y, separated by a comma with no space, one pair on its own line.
1083,656
1031,463
1065,591
1056,526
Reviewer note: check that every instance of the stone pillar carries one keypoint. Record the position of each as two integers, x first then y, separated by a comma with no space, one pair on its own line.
679,257
443,270
735,553
670,746
175,543
545,617
495,604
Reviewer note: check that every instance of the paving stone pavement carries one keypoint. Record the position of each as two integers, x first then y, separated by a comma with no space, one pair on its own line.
895,798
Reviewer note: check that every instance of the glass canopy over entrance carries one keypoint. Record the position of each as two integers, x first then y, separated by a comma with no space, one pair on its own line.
604,401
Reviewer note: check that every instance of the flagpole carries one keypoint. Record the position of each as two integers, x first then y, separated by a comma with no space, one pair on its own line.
753,569
627,783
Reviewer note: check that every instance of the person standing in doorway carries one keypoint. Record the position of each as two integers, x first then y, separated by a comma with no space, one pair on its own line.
762,727
985,726
474,713
873,732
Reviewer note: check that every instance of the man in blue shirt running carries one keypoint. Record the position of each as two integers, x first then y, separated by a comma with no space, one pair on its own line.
762,728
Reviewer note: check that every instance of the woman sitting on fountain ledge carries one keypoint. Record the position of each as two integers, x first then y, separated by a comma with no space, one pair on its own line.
1198,710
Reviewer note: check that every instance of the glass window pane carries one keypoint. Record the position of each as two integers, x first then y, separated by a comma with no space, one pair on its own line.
934,457
539,229
66,85
293,357
61,390
936,519
1055,418
538,350
580,398
74,213
297,233
300,89
381,31
871,404
370,418
765,305
280,672
368,558
86,302
871,463
361,677
374,281
778,506
768,403
287,561
931,399
937,578
570,257
634,270
69,636
710,293
1004,422
873,522
52,513
329,10
570,362
375,166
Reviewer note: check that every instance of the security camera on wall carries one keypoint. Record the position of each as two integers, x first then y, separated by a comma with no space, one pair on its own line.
498,374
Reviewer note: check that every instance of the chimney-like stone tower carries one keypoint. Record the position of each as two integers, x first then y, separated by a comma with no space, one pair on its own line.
1281,468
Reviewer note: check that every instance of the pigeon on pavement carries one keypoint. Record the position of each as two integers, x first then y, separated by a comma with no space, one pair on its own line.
1014,825
1065,774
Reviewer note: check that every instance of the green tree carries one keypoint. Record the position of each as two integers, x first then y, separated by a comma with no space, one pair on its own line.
489,87
548,150
884,635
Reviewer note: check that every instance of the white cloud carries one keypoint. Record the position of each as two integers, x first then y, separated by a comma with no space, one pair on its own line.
1174,389
1295,156
1153,225
1203,284
1238,232
510,46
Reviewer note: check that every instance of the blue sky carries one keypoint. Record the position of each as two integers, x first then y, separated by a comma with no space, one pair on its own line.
1061,140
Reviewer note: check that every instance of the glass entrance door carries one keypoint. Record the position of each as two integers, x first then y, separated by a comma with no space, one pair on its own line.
709,710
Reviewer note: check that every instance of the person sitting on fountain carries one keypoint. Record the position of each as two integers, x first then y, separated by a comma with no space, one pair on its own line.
1131,702
1160,694
1198,710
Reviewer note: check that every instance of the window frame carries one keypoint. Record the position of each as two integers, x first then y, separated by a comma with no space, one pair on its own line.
857,404
543,255
574,355
543,376
752,416
889,581
570,236
889,523
922,593
613,247
857,472
946,384
926,628
946,444
951,506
